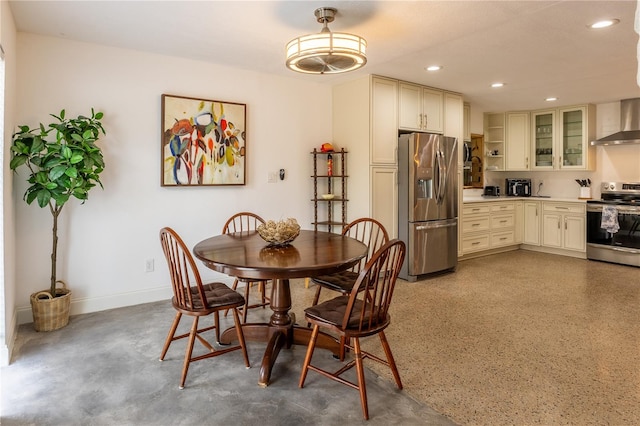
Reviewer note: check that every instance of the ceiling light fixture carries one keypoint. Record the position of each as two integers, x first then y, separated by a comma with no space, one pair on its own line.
604,23
434,68
326,52
497,85
551,99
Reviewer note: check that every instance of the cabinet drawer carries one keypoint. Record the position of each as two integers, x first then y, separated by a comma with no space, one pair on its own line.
502,238
502,221
578,208
475,209
503,207
470,244
473,225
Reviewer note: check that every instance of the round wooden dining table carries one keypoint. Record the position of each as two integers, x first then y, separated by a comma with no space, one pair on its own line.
246,255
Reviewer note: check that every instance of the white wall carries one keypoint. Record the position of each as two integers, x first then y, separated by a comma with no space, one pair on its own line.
104,243
8,297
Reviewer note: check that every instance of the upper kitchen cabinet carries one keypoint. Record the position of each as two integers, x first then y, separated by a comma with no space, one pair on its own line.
467,122
384,124
544,138
562,136
420,108
517,141
576,129
494,134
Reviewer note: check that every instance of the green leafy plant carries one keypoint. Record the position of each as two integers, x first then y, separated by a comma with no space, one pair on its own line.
63,161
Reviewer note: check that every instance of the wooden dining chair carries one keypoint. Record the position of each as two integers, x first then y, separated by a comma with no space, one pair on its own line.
365,312
368,231
192,297
242,222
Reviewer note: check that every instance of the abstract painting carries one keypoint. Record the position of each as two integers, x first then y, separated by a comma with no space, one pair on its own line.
203,142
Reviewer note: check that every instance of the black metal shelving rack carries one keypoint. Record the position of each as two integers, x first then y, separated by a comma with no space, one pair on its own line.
327,181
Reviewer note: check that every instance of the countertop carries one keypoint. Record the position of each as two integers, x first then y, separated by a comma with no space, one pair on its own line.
482,199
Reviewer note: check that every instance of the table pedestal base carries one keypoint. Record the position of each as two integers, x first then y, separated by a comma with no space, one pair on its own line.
280,332
277,339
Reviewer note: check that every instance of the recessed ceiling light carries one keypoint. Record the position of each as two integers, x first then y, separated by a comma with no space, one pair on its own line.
551,99
604,23
433,68
497,84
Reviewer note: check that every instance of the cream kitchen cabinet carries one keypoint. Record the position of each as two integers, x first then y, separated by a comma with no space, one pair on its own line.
562,138
543,130
494,135
576,127
467,122
564,225
488,226
531,223
384,125
384,200
517,141
420,108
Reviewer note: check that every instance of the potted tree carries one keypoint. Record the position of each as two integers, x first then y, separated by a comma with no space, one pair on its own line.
63,162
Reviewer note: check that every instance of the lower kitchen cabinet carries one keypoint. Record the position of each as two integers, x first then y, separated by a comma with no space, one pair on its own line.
488,225
531,223
557,227
564,225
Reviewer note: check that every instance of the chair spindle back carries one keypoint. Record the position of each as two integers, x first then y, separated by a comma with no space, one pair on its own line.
374,288
242,222
371,233
183,272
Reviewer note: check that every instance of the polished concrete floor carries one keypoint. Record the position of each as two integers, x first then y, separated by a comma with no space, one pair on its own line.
518,338
103,369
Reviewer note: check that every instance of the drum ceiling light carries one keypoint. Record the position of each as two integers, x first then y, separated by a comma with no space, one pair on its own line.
326,52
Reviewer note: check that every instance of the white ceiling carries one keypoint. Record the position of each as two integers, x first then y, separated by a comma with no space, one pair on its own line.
538,48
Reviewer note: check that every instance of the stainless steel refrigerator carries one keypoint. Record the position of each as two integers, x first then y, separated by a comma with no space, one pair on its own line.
428,203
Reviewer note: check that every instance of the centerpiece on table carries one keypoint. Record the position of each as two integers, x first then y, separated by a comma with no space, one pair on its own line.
279,233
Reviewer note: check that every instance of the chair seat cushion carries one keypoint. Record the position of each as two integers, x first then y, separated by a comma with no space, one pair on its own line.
332,312
341,281
217,294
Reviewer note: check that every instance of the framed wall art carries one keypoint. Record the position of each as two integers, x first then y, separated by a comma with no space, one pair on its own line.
203,142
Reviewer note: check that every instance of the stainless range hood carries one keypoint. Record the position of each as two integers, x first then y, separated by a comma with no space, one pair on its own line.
629,123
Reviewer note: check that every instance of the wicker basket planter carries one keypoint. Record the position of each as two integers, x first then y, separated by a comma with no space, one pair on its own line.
51,313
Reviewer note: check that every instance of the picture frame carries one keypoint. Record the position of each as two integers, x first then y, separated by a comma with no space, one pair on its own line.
203,142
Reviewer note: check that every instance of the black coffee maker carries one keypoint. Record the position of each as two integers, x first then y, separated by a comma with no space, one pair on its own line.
518,187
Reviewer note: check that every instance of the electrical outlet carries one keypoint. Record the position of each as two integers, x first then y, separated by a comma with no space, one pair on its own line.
148,265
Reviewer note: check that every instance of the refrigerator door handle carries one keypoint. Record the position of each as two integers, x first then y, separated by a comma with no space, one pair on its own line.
448,223
442,177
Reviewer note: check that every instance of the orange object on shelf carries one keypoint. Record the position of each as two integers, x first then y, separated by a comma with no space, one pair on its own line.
326,147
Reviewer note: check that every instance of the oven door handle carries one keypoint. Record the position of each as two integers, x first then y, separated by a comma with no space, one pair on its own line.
615,248
626,250
620,208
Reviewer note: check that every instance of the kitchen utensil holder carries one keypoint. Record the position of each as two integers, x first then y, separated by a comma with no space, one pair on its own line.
585,193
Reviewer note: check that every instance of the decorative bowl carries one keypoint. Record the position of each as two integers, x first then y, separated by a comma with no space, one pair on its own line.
328,196
279,233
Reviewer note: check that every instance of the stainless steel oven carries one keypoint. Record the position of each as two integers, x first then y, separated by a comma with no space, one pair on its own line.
617,238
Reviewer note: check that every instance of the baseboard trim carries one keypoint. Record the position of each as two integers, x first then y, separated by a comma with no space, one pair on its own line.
96,304
6,351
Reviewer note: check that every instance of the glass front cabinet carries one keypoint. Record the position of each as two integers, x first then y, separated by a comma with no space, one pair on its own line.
562,138
543,126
